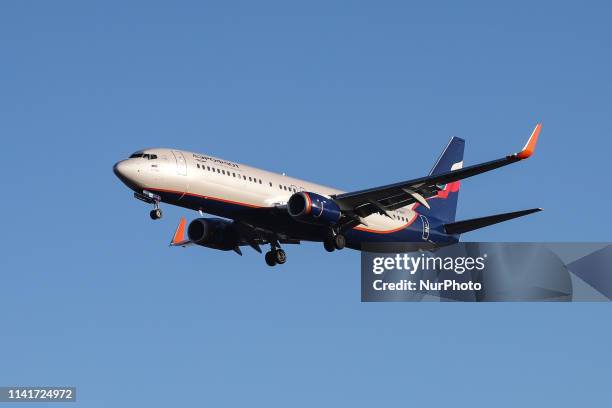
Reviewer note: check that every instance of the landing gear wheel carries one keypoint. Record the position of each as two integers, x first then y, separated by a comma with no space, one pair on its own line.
270,258
280,256
328,244
339,241
156,214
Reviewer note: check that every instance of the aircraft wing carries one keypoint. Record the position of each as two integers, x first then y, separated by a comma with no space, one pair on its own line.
392,196
249,235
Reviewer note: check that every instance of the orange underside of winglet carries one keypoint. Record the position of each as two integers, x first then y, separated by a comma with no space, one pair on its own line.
531,143
179,234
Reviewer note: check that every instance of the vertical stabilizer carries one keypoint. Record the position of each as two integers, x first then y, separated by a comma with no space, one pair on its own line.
444,205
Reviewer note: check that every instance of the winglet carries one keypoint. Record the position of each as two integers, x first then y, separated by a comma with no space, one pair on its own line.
531,143
179,235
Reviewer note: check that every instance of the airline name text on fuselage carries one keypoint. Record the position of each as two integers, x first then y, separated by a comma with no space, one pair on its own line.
202,158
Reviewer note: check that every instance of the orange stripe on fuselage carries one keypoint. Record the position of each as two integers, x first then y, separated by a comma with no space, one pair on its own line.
409,223
404,226
208,198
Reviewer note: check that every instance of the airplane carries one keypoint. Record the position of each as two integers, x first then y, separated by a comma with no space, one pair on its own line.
254,207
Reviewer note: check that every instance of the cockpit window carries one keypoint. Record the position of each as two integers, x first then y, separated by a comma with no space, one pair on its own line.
144,156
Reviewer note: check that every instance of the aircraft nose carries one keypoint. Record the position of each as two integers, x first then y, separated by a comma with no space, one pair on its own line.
120,169
125,171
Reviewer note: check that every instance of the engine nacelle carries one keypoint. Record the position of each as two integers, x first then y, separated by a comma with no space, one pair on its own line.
313,208
213,233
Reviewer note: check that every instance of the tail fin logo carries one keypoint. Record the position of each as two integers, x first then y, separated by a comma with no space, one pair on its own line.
453,187
449,188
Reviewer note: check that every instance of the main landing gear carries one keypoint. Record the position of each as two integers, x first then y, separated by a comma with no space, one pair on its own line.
275,255
334,241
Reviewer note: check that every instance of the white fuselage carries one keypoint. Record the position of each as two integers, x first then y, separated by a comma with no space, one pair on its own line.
194,174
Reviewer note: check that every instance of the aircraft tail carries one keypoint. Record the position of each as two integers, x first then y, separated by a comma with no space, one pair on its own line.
444,205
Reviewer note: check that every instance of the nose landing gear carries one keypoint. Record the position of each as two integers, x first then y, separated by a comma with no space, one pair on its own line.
150,198
156,214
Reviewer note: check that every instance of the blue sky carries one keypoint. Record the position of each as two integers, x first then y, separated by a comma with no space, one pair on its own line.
350,94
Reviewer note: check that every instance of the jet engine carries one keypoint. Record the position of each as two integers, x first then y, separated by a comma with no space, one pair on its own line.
313,208
213,233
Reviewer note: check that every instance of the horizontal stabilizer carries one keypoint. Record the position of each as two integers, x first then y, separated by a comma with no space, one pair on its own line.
460,227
